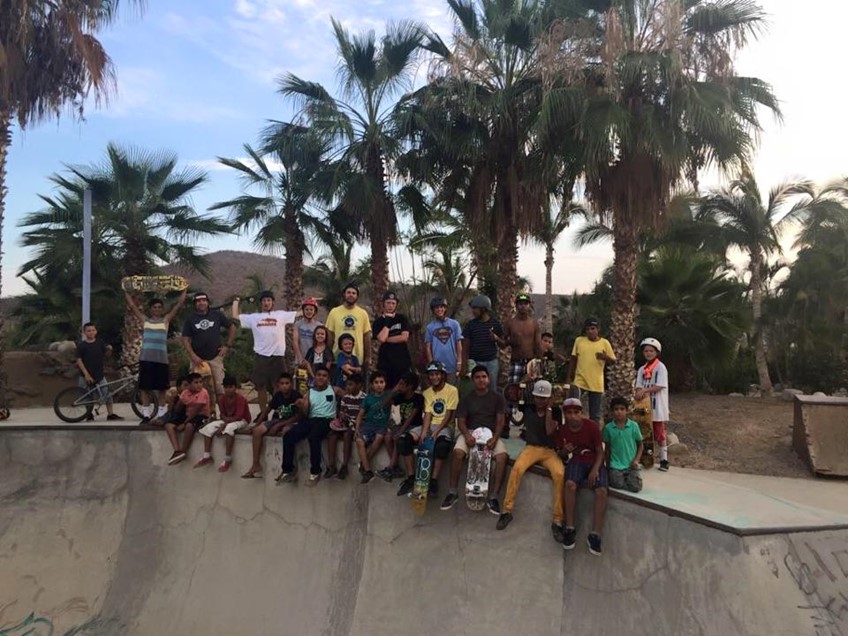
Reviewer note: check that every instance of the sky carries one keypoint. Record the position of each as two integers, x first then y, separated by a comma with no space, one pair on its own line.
198,78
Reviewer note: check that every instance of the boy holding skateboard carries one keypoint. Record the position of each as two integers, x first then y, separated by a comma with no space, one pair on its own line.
652,380
195,401
275,419
624,447
482,407
410,405
579,441
234,414
91,361
372,422
343,426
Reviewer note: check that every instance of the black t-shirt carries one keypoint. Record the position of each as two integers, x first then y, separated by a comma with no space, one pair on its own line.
481,346
534,427
393,354
205,332
282,406
481,410
407,405
93,356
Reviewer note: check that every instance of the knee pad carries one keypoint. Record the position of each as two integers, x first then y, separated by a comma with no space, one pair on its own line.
442,448
405,445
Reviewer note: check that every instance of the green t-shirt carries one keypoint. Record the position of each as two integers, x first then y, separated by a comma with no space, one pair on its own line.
622,443
375,413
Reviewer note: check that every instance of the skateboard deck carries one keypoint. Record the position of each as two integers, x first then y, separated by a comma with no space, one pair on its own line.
301,378
641,414
423,471
479,469
516,396
153,283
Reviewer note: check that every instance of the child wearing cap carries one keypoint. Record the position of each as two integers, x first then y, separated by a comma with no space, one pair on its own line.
540,423
578,441
624,446
346,362
589,356
652,379
392,332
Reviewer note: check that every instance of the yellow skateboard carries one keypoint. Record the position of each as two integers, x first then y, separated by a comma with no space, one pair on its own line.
153,283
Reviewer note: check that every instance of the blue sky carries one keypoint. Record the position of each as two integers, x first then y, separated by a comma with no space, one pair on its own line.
196,77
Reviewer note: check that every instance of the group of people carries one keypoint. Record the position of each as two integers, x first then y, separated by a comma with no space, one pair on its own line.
334,395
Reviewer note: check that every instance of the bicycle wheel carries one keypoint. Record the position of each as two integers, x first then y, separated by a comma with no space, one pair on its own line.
136,403
69,405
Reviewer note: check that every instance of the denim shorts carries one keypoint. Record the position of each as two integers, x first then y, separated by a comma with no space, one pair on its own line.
578,472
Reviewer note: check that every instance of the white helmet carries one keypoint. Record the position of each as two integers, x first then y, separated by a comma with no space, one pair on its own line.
653,342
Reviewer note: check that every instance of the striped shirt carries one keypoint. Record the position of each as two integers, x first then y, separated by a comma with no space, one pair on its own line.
478,334
154,341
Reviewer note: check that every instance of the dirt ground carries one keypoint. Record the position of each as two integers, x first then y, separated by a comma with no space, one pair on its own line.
738,435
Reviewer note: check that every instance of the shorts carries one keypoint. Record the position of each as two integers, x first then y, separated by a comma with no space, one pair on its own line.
517,371
266,371
369,436
153,376
460,445
210,429
102,388
416,432
659,433
625,479
578,472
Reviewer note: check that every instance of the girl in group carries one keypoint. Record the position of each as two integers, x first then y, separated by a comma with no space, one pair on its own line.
319,354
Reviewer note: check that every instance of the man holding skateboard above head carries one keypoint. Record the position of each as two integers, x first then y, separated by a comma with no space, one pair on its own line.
203,343
351,319
589,357
523,334
440,402
484,336
482,407
269,343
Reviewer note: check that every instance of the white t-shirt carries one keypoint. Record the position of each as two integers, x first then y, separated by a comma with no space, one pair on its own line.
659,400
269,331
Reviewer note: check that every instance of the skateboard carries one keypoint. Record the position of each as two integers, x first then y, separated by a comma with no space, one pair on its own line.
516,395
423,470
153,283
301,380
641,414
479,468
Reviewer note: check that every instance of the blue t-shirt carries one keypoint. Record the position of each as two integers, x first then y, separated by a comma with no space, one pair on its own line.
375,417
343,358
442,336
322,403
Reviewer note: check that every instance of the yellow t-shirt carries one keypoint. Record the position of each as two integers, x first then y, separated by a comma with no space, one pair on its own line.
438,404
589,374
353,321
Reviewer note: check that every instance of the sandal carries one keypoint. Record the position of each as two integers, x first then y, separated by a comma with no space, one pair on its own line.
252,474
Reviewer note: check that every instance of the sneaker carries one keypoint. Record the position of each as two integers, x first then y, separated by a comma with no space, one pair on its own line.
664,465
406,486
144,420
114,417
503,520
286,478
397,471
203,461
494,506
558,532
89,417
449,501
330,472
594,541
314,478
367,476
434,488
176,458
569,538
342,474
225,466
385,474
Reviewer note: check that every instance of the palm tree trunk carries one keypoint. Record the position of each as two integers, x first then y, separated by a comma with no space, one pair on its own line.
507,288
759,340
295,247
5,144
623,319
379,272
549,293
135,263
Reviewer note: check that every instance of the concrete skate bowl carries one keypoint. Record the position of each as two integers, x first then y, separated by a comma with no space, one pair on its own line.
820,434
99,536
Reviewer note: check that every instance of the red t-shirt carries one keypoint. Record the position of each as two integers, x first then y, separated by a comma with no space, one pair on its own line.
586,441
235,407
195,403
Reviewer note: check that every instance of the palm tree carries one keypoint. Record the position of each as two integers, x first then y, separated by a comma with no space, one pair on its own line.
49,60
143,218
359,126
657,100
738,218
284,209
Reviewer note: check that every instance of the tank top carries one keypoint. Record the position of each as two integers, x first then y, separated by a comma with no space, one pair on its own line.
154,341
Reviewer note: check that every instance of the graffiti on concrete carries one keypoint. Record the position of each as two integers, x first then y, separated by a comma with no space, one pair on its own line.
32,625
822,576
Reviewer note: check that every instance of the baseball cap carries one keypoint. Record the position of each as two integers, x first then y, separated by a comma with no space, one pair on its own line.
523,298
390,295
267,294
591,322
572,402
200,296
542,388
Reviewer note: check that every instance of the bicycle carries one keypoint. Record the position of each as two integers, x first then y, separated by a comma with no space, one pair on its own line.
75,403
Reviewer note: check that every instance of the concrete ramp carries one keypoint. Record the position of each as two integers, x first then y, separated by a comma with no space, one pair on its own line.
820,434
99,536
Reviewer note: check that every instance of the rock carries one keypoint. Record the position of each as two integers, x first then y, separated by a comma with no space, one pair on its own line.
678,450
735,395
673,440
840,394
819,394
71,373
789,394
778,388
24,389
53,346
68,349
